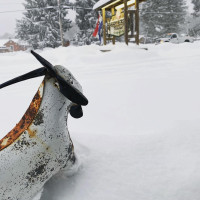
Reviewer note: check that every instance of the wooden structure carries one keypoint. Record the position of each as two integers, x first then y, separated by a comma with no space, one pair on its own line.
120,7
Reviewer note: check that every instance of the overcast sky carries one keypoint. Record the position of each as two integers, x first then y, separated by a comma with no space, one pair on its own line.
8,19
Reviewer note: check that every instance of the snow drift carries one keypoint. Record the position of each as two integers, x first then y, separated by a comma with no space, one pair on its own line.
139,137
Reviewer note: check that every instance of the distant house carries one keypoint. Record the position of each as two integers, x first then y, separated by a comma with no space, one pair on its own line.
12,45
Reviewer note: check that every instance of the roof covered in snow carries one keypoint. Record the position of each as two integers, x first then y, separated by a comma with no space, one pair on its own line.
102,3
4,41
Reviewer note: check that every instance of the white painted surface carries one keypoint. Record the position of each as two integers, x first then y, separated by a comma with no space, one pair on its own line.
31,160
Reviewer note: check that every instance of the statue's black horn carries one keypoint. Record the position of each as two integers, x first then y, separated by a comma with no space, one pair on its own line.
66,88
33,74
45,63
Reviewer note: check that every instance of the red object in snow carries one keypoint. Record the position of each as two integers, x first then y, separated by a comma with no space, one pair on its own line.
96,29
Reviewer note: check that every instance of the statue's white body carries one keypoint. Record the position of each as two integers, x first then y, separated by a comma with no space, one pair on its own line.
43,149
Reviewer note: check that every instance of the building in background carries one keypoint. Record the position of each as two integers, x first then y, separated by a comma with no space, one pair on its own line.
12,45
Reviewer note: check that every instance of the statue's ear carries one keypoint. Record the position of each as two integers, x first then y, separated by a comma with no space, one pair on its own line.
33,74
76,111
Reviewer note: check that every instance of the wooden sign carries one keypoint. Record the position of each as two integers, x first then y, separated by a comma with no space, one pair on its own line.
115,26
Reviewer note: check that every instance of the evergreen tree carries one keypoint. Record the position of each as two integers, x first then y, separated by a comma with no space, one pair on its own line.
195,25
196,8
86,19
160,17
40,24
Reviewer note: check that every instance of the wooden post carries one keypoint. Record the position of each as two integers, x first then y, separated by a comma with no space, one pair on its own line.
104,25
137,40
126,22
131,22
113,13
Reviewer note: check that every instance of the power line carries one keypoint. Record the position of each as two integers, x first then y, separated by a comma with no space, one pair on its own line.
44,8
8,3
11,11
163,12
75,8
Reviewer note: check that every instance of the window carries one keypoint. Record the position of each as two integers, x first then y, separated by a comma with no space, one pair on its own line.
11,48
174,36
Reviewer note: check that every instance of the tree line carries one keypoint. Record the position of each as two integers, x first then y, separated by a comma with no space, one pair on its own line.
40,25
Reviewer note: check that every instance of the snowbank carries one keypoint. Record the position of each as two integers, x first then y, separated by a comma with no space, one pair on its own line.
139,137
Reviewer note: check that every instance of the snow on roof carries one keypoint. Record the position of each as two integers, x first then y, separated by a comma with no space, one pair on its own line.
14,40
101,3
4,41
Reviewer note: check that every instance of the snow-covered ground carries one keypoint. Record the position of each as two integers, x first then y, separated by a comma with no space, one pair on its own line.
140,134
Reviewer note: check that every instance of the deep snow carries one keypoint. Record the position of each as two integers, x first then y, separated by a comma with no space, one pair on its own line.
139,137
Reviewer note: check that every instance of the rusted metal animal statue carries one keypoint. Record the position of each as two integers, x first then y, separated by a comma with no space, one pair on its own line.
40,146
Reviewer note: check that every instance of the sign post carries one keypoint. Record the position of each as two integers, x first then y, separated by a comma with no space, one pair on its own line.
125,22
104,25
113,13
137,22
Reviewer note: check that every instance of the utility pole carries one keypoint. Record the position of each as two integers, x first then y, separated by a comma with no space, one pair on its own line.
60,22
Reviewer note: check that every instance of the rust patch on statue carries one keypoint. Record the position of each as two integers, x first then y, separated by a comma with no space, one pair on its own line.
26,120
32,133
